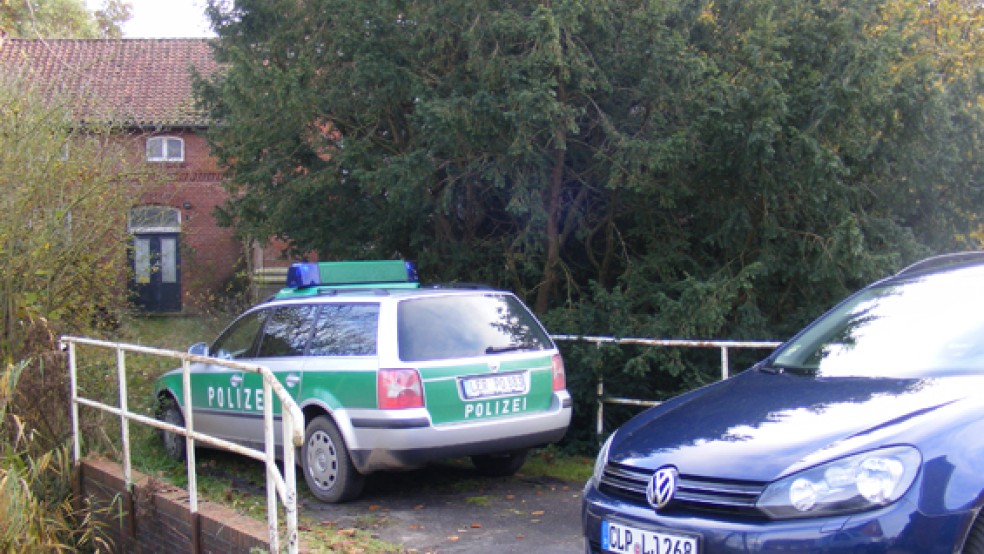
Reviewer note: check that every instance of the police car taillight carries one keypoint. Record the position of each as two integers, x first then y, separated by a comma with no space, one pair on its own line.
559,377
399,389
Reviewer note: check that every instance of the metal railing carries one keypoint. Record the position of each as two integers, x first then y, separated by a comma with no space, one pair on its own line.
279,486
725,345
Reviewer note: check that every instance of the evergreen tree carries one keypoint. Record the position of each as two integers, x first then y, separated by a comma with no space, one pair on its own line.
681,168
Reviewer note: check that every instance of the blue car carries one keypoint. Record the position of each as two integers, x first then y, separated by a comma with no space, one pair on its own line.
864,433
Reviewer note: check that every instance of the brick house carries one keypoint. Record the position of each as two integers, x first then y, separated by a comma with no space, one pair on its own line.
180,257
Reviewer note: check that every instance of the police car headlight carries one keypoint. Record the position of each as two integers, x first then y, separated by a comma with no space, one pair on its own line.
853,484
601,461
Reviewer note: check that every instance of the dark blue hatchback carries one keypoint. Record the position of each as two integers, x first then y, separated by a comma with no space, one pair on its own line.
862,434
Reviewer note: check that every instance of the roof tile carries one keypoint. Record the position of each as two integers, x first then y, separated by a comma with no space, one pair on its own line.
134,82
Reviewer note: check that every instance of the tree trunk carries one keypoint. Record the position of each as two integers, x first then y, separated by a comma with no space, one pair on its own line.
552,262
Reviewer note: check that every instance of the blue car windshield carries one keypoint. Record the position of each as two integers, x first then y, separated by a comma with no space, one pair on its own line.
923,327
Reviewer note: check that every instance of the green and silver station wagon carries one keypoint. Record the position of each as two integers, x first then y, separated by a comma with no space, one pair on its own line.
389,375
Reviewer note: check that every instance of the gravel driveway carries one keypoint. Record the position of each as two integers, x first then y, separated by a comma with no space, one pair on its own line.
451,508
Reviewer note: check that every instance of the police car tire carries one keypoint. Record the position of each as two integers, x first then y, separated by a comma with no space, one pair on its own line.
328,469
174,444
500,465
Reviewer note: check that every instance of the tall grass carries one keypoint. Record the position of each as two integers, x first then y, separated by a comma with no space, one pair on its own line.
36,509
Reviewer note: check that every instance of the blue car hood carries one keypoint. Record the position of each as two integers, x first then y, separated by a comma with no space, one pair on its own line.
759,426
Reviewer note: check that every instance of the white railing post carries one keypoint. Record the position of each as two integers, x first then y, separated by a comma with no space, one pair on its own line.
189,421
271,466
290,435
124,422
74,386
725,364
600,427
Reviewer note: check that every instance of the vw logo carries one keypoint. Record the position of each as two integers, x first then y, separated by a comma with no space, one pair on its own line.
494,367
661,487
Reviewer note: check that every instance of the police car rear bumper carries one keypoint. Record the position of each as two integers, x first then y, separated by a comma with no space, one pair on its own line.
381,443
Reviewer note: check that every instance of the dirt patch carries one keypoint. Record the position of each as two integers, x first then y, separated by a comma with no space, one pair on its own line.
451,508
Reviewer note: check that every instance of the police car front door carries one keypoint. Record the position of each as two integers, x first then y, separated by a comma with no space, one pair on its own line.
216,395
218,391
280,347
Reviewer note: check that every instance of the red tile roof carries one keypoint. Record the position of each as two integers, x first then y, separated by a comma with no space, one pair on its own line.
133,82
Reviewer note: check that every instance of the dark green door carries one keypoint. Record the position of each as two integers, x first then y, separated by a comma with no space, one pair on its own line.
156,265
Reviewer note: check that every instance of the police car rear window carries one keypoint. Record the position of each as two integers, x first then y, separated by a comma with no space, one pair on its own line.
458,326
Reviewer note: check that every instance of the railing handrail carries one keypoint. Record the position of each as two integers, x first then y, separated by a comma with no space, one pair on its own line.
279,486
724,345
693,343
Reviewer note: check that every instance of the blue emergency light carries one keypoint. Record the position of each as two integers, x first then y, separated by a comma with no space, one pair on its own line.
374,273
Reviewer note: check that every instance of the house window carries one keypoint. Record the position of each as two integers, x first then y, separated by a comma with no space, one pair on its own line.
154,219
165,149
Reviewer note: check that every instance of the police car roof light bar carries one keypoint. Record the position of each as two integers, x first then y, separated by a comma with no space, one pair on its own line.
374,272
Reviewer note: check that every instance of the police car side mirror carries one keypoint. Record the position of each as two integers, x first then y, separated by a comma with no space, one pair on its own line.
198,349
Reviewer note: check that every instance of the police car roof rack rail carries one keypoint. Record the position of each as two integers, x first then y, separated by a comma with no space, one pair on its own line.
465,286
331,291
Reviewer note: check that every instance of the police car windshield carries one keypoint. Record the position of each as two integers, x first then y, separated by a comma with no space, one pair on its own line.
461,326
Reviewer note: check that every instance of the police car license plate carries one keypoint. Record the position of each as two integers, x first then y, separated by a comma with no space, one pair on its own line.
494,385
629,540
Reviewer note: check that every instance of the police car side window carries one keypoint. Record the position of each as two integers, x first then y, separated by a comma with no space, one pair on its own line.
346,330
286,332
237,341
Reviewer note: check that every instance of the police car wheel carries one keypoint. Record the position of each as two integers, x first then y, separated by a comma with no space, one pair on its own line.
328,470
500,465
174,444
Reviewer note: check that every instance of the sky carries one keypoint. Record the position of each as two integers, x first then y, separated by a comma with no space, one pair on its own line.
164,18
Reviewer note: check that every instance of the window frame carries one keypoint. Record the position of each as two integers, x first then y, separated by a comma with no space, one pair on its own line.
165,157
153,219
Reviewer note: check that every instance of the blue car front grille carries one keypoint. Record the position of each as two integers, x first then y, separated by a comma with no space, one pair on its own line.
693,493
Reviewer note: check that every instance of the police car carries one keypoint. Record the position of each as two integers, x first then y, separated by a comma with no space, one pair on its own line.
388,374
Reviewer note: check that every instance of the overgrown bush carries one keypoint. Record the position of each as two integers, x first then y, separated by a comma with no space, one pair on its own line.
66,192
63,237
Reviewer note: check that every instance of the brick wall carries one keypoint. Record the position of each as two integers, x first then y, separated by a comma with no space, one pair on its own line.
155,518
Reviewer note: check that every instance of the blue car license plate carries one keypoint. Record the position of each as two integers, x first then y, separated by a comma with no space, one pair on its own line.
630,540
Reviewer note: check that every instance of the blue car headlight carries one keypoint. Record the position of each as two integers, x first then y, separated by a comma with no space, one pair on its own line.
852,484
601,461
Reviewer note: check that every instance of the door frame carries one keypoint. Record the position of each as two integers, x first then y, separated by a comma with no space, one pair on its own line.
155,280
